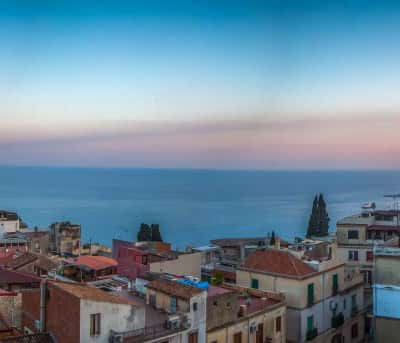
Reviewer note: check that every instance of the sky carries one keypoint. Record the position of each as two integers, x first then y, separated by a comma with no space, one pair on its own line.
267,84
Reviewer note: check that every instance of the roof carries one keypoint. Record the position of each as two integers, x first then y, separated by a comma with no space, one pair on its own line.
237,241
34,338
174,288
14,277
215,291
7,215
36,234
383,228
85,292
96,262
21,260
276,261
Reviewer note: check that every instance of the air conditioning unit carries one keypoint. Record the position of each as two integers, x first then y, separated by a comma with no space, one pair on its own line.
173,322
117,338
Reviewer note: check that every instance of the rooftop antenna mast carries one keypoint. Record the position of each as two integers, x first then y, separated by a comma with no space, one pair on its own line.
395,198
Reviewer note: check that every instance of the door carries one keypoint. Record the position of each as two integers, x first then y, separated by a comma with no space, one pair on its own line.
310,294
260,333
193,337
237,337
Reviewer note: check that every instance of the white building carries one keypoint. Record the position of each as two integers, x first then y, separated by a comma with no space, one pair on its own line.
9,222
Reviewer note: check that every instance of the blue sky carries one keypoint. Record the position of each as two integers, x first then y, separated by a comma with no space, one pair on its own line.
81,62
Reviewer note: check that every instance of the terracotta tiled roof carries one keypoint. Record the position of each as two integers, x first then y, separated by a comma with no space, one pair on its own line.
174,288
96,262
14,277
277,262
22,260
83,291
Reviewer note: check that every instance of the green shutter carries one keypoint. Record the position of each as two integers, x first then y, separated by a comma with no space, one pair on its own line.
335,284
310,294
310,323
254,283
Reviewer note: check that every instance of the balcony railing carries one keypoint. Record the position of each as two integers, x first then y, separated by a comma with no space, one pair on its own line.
148,332
337,320
311,334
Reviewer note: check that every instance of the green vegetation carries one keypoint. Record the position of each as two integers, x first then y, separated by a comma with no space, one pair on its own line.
318,224
149,233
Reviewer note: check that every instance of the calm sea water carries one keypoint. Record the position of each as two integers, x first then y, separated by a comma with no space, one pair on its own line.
192,206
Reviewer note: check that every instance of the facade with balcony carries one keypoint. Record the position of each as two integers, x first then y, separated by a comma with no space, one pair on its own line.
323,304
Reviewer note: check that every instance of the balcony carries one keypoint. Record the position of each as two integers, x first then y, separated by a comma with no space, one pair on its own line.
149,332
337,320
311,334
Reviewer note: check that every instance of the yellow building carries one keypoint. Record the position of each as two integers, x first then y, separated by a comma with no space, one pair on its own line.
243,315
323,304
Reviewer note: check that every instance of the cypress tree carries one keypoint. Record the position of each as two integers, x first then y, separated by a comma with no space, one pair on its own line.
144,233
155,233
318,224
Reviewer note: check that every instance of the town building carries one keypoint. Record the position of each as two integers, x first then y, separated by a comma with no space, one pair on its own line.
210,258
357,235
387,293
324,304
9,222
38,241
65,238
10,308
31,263
175,312
135,259
87,268
10,243
237,314
13,281
73,312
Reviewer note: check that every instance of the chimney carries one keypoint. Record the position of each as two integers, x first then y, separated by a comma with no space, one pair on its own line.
278,243
43,292
242,311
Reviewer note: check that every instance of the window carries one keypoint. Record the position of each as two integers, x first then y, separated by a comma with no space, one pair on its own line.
370,256
354,330
354,301
310,294
174,304
152,300
353,255
195,306
254,283
335,284
352,234
95,324
310,323
228,304
215,303
278,324
344,303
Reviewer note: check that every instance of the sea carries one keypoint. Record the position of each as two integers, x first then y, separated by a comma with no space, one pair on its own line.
191,206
